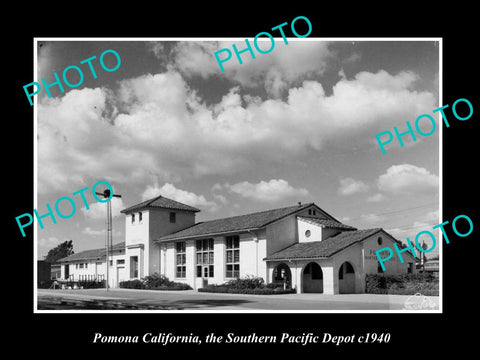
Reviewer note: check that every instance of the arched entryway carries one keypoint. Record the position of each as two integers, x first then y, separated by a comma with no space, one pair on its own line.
346,279
282,274
312,278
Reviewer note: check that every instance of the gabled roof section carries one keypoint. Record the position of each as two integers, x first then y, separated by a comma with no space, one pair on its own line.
328,247
160,202
324,248
326,223
236,223
91,254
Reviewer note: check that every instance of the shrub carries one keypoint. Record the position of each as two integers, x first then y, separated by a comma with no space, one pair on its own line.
92,284
173,286
275,285
154,282
248,282
132,284
404,284
45,284
248,285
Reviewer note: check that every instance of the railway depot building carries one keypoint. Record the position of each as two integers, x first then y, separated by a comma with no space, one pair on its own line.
302,246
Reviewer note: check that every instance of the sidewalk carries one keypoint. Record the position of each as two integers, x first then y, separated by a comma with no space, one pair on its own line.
193,300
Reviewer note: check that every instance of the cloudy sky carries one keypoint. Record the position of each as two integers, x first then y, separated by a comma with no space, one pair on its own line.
296,124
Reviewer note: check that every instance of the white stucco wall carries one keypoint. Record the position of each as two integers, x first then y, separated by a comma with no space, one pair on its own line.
170,260
353,255
281,234
94,268
361,257
252,251
155,223
315,231
393,265
138,251
136,242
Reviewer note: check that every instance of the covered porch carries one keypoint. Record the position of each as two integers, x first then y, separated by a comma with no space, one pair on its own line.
325,267
323,276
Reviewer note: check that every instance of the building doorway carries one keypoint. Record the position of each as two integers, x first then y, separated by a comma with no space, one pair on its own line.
133,267
282,274
67,271
312,278
120,275
346,279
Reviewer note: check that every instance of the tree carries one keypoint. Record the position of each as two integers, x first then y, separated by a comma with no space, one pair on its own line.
60,251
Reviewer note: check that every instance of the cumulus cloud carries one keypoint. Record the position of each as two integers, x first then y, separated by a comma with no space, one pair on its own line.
267,191
186,197
196,58
155,127
157,47
349,186
275,70
407,178
98,210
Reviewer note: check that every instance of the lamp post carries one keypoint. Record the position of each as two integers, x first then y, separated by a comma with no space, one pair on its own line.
108,227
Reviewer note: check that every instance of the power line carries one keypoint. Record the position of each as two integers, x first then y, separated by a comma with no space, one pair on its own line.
411,228
396,211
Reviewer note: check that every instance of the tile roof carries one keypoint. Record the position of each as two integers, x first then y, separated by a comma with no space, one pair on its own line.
242,222
324,248
160,202
91,254
326,223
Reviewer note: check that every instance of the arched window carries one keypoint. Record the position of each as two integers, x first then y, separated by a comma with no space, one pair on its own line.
314,270
346,268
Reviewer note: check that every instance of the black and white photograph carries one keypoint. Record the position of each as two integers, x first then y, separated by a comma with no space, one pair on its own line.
295,182
265,180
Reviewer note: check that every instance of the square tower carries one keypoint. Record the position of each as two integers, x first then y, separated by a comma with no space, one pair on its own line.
146,222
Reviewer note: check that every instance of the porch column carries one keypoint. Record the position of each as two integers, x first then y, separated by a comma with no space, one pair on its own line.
190,263
297,276
330,282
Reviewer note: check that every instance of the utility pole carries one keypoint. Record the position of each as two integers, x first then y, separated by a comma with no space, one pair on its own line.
108,233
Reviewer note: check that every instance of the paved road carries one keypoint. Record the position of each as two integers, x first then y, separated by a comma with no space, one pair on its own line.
129,299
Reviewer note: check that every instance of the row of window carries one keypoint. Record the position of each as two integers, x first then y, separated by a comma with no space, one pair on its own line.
99,277
204,257
90,277
173,217
139,217
85,265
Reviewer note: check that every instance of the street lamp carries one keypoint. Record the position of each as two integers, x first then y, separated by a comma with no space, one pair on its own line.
108,238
